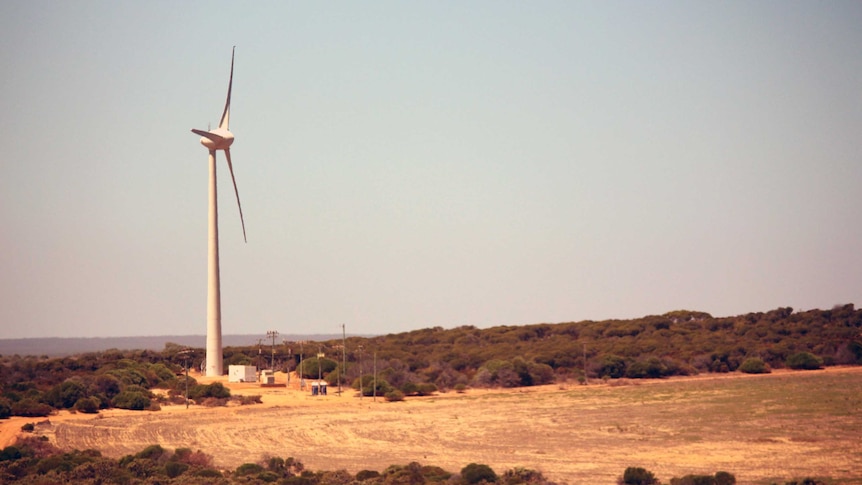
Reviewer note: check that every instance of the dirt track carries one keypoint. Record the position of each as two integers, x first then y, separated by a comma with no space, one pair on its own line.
579,434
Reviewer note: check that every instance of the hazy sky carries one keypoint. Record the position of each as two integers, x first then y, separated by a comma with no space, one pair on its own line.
404,165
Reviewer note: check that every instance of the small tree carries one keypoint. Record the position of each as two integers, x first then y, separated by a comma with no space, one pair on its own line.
87,405
804,361
754,365
426,389
612,366
475,473
175,468
248,469
638,476
135,400
5,408
31,408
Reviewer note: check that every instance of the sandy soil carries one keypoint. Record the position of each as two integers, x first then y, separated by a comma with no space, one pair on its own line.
573,434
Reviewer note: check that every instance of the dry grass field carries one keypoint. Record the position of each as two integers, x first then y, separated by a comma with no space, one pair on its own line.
762,428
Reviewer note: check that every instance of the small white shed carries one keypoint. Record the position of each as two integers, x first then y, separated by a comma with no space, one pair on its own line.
242,373
267,377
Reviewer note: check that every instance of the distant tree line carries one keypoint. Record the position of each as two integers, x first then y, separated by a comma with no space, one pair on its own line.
676,343
37,386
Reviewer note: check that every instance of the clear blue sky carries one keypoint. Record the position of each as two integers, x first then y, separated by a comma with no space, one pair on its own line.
412,164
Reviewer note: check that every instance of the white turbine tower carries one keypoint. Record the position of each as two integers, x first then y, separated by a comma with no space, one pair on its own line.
218,139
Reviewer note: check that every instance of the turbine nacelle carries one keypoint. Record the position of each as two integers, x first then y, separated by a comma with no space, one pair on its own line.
217,139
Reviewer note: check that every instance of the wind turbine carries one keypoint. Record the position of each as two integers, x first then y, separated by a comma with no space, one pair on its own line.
218,139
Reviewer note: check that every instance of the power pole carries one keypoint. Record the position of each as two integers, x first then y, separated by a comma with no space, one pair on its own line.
343,358
272,334
289,358
301,369
319,356
259,355
361,391
586,379
185,353
374,391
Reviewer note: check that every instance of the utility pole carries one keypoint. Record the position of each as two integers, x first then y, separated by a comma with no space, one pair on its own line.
343,357
586,381
259,355
289,358
319,356
301,369
361,391
185,353
374,391
272,334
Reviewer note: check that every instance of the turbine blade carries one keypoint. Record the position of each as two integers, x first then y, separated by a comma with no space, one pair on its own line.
207,134
225,117
236,191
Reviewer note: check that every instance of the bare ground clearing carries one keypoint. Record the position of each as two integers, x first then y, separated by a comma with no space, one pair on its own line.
760,428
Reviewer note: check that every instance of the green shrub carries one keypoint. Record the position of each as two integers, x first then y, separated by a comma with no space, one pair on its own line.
404,475
475,473
394,395
806,481
303,480
651,368
130,377
28,427
31,408
144,468
87,405
460,387
166,376
720,478
366,475
519,475
426,389
10,453
724,478
208,473
694,480
152,452
754,365
66,394
248,469
639,476
175,468
135,400
310,368
368,386
100,470
5,408
267,476
435,474
541,373
202,391
804,361
612,366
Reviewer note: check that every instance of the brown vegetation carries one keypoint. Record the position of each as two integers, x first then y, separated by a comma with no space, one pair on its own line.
762,428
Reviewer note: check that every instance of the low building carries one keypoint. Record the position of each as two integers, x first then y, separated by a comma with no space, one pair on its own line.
242,373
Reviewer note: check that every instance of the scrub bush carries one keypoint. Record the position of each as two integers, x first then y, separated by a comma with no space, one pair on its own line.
754,365
638,476
475,473
804,361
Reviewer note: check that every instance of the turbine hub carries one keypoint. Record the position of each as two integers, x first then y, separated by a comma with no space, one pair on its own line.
222,141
